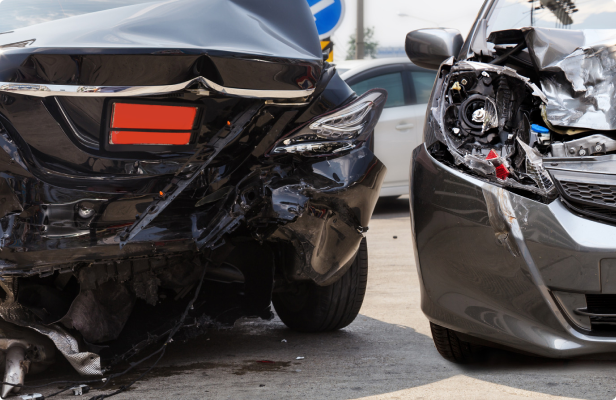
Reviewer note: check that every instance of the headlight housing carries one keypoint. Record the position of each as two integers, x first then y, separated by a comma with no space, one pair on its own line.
341,130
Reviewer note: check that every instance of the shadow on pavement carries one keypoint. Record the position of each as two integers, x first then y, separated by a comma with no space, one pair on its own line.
368,358
386,206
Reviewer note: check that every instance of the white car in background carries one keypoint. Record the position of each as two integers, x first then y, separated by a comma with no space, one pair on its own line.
400,128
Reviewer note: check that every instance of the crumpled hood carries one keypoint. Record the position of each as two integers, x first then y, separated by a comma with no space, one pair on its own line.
276,41
578,75
264,27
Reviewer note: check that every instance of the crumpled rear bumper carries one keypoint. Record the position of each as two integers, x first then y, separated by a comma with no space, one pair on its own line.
322,209
504,268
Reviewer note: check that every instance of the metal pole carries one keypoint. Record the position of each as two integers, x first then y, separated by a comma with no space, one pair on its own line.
359,36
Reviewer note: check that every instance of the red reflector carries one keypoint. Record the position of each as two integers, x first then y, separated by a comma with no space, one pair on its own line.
160,138
501,171
492,154
145,116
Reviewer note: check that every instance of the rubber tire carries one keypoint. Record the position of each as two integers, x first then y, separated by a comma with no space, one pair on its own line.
451,347
314,308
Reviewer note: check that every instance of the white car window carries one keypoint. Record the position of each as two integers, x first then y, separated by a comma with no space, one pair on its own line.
423,82
390,82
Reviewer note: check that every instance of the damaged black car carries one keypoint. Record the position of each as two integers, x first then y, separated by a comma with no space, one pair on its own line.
513,193
167,167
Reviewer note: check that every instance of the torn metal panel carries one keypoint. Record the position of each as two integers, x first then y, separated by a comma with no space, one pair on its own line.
501,216
84,362
577,75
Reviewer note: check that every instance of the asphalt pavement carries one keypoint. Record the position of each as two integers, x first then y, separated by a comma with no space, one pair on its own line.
387,353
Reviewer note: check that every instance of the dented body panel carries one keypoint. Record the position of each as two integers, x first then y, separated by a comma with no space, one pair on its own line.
512,193
523,252
103,244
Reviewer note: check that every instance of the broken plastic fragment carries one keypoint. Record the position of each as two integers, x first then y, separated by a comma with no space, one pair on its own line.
535,169
300,358
479,165
80,390
490,119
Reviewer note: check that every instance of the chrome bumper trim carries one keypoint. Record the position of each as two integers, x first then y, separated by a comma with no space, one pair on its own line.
40,90
584,311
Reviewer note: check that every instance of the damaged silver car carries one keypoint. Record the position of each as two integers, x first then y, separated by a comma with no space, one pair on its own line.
171,166
513,193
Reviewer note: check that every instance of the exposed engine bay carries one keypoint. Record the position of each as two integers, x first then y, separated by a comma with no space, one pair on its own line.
529,105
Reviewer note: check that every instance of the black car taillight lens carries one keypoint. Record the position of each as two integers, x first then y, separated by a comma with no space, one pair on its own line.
341,130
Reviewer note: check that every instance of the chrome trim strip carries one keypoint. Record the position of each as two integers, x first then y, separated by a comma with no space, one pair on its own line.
273,103
39,90
584,311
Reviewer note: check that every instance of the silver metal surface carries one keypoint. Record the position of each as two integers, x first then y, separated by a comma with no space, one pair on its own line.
15,369
85,363
586,146
584,311
37,90
577,75
286,104
512,295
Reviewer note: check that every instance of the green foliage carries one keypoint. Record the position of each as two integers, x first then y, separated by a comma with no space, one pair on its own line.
370,45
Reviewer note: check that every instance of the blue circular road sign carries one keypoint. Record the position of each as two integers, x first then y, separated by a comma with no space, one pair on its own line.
328,15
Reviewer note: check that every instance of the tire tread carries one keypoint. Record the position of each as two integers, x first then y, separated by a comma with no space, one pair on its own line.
332,307
451,347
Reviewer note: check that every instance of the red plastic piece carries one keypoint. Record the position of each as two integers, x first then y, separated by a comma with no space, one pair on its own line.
492,154
159,138
146,116
501,171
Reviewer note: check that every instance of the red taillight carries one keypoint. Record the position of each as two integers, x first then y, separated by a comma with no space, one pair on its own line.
145,124
160,138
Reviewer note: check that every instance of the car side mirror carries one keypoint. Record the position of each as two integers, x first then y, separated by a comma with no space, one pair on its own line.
428,48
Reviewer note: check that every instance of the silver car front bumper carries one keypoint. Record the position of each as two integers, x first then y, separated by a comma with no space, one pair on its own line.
501,267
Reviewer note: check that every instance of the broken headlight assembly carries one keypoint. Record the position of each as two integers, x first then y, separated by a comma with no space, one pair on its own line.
489,117
341,130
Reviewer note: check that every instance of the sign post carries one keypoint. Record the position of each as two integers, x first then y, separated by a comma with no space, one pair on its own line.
328,15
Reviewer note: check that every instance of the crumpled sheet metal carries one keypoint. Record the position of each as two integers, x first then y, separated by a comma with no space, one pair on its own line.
282,29
85,363
579,75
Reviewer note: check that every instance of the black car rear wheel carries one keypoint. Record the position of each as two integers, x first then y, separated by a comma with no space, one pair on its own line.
313,308
451,347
